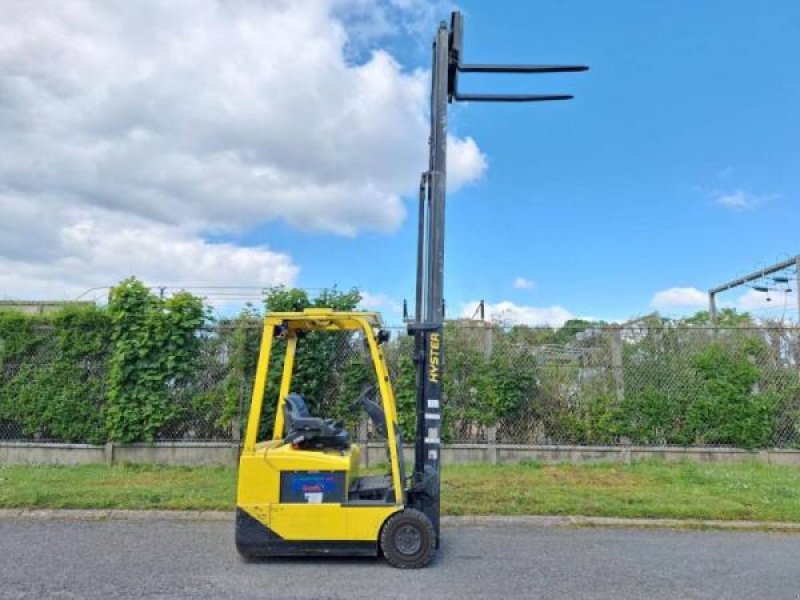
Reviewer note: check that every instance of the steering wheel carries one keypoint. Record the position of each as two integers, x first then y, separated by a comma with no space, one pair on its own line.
374,410
366,394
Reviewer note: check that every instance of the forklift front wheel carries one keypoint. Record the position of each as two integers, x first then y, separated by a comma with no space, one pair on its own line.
408,539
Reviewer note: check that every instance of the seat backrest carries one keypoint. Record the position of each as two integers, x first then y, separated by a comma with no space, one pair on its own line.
294,407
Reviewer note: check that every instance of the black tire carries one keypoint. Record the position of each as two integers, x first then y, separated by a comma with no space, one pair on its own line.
247,557
408,540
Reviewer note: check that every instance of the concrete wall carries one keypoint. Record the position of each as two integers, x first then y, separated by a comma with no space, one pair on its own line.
225,453
161,453
514,453
24,453
178,453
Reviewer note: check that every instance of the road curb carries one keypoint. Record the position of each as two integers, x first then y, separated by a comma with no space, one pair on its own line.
72,514
584,521
452,521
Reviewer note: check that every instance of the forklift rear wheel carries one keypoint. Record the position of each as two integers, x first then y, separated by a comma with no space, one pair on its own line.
408,539
247,557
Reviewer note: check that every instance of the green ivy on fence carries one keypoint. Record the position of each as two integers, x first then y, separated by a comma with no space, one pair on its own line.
155,352
56,370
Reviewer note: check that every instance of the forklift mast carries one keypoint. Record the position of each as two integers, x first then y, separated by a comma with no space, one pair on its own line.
428,321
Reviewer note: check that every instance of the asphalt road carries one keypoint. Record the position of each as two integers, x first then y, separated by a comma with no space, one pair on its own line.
126,559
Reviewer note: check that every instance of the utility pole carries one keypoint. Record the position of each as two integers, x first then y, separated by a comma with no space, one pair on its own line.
755,276
427,326
797,284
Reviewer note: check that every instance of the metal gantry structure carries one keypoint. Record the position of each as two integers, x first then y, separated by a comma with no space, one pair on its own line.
427,324
760,276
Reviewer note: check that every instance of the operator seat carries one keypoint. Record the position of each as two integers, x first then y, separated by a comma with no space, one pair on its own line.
311,433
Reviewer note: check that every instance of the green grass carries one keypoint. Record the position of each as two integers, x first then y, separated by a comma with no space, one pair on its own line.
124,486
646,489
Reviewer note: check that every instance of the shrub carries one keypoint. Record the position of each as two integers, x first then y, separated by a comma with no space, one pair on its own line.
730,409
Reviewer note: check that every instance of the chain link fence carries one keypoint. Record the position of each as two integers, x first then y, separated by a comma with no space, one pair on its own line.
646,384
652,385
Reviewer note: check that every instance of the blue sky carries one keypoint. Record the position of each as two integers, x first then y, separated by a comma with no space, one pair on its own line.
200,143
607,199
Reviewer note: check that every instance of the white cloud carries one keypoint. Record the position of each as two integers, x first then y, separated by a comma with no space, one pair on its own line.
371,20
741,200
96,248
194,116
380,302
220,114
513,314
520,283
679,297
465,162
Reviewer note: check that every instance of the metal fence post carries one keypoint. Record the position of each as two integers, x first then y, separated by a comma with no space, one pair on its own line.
616,361
491,447
797,293
108,453
236,422
712,307
487,342
236,434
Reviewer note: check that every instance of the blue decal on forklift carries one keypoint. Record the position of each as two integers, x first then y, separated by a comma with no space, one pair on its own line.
312,487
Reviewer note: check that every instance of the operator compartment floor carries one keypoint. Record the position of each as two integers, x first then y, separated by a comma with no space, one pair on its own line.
370,487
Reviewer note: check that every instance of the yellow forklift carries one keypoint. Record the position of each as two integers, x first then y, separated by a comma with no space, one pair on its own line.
300,492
